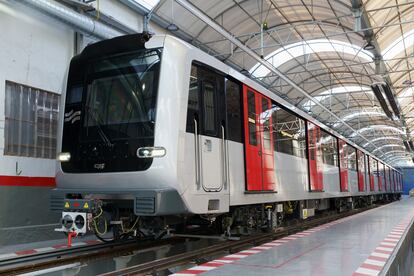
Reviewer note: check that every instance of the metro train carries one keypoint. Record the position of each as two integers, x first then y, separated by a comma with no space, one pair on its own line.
157,134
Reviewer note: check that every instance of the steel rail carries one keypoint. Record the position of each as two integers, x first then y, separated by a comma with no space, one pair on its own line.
232,246
43,260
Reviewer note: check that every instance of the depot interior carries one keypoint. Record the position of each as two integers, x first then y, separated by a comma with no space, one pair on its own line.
352,58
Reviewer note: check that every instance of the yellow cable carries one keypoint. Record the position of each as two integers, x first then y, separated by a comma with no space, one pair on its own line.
96,226
132,228
98,10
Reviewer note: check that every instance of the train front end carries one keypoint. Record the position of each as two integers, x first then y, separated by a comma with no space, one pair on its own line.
116,169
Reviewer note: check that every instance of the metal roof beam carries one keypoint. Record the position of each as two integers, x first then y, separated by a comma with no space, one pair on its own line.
206,19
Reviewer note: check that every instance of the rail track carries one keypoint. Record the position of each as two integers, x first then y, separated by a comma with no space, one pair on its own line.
82,254
85,254
225,247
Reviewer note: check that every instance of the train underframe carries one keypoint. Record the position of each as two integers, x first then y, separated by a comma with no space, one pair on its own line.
113,220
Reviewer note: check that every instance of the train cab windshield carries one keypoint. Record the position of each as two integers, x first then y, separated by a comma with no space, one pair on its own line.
121,90
117,102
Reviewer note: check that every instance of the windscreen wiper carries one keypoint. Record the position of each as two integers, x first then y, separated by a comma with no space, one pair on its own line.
101,133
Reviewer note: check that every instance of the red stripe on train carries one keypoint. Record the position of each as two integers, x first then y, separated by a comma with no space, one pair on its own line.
27,181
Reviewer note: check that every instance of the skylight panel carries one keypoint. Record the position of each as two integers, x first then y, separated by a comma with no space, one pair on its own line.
336,90
294,50
406,96
377,127
398,45
148,4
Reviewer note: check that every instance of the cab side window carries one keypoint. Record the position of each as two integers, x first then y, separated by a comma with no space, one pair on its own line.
205,101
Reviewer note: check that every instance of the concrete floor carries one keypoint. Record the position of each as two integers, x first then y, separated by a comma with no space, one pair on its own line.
357,245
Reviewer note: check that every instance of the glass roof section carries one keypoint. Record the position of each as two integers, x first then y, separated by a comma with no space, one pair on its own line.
336,90
399,45
358,114
386,138
387,146
406,96
148,4
378,127
316,46
291,51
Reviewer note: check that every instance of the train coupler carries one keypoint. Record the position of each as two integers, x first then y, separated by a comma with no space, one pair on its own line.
75,222
77,216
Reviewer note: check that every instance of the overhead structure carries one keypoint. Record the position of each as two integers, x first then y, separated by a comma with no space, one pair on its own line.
346,63
326,57
80,22
328,49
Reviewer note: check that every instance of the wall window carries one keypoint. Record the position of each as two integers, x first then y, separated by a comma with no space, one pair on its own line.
31,121
329,147
288,132
351,158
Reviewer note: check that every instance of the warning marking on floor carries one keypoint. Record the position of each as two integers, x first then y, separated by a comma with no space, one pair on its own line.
196,270
375,263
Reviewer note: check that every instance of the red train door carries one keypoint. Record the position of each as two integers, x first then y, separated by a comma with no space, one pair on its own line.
361,170
398,182
343,164
379,175
258,130
315,162
389,179
385,177
371,173
394,179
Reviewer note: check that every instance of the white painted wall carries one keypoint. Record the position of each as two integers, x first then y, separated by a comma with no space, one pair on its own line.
34,51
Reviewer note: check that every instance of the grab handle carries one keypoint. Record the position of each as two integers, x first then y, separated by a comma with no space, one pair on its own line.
197,154
224,157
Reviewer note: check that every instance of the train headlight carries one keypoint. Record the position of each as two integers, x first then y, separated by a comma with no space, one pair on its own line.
64,156
150,152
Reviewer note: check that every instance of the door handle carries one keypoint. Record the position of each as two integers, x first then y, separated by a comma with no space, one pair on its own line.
197,154
224,158
260,153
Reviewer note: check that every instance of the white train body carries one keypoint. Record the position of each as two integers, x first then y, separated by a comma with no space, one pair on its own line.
202,174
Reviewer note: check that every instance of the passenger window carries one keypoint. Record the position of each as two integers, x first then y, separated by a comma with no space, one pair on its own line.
209,107
193,101
361,162
251,109
329,146
288,132
234,114
351,158
265,118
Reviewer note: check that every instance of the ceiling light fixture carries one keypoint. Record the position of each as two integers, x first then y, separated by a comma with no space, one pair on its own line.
369,46
407,82
172,27
244,72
